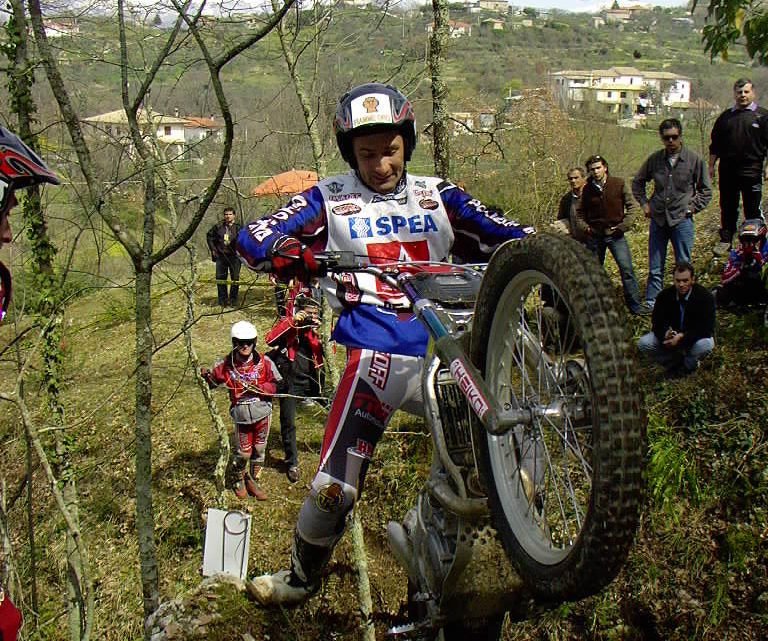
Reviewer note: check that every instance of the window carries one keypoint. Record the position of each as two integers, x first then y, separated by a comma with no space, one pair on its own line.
609,94
623,94
167,130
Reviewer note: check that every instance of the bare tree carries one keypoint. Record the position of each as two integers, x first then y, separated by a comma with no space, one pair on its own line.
48,289
138,75
440,124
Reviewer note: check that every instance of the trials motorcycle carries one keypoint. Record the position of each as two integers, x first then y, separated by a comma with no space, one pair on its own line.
531,399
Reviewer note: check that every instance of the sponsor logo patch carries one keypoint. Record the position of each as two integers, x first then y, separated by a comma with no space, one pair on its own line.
330,498
378,372
475,398
364,448
361,227
335,188
420,183
347,290
342,197
428,203
346,210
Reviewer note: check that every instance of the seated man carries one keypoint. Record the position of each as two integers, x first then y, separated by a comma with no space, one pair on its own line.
744,277
682,324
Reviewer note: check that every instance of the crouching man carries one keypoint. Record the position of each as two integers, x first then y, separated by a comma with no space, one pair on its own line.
682,325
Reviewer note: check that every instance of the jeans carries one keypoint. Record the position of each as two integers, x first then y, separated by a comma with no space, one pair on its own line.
619,248
732,188
681,237
671,358
227,266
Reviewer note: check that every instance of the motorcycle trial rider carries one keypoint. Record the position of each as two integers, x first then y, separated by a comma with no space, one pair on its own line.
20,167
382,214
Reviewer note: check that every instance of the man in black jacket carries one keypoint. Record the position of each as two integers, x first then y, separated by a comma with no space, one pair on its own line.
740,143
682,324
566,212
221,238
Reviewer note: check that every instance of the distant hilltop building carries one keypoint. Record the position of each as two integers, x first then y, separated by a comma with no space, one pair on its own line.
456,28
624,91
180,135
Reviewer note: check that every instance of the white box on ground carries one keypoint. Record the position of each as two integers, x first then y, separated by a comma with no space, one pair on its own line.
227,539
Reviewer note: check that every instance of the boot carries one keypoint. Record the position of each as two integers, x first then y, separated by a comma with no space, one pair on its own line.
294,586
252,485
240,488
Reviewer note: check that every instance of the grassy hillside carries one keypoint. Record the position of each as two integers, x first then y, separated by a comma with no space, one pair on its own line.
697,570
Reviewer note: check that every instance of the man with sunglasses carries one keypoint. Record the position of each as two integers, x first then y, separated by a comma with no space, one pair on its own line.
681,187
739,147
20,167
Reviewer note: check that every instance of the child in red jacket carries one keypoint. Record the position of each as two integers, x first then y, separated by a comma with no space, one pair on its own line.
252,380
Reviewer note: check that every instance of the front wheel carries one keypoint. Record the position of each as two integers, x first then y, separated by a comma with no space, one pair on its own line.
564,490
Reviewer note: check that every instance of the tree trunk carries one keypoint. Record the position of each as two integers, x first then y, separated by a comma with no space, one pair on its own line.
222,434
48,304
440,121
321,166
145,518
360,562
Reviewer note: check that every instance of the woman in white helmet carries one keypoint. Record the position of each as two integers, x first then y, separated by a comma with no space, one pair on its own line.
252,380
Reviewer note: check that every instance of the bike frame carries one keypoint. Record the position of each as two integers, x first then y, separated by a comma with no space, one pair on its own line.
496,420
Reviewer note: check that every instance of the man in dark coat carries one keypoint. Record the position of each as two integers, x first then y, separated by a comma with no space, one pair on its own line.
221,238
740,144
566,211
682,325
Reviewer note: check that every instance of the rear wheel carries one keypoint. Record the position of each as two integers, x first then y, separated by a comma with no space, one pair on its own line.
565,490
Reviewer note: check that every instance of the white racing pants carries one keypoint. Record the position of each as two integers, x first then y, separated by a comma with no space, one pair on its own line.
373,386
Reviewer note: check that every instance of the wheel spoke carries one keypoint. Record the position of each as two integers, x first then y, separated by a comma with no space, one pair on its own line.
545,468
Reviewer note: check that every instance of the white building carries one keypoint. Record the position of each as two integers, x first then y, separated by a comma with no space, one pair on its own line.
625,91
176,133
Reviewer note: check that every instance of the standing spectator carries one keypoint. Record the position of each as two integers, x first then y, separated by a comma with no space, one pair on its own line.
566,212
603,217
681,188
298,354
682,325
221,238
740,143
252,381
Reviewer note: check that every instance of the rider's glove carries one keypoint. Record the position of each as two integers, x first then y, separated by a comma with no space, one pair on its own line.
292,259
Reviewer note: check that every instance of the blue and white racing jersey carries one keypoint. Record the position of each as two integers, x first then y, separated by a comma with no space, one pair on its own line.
423,219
